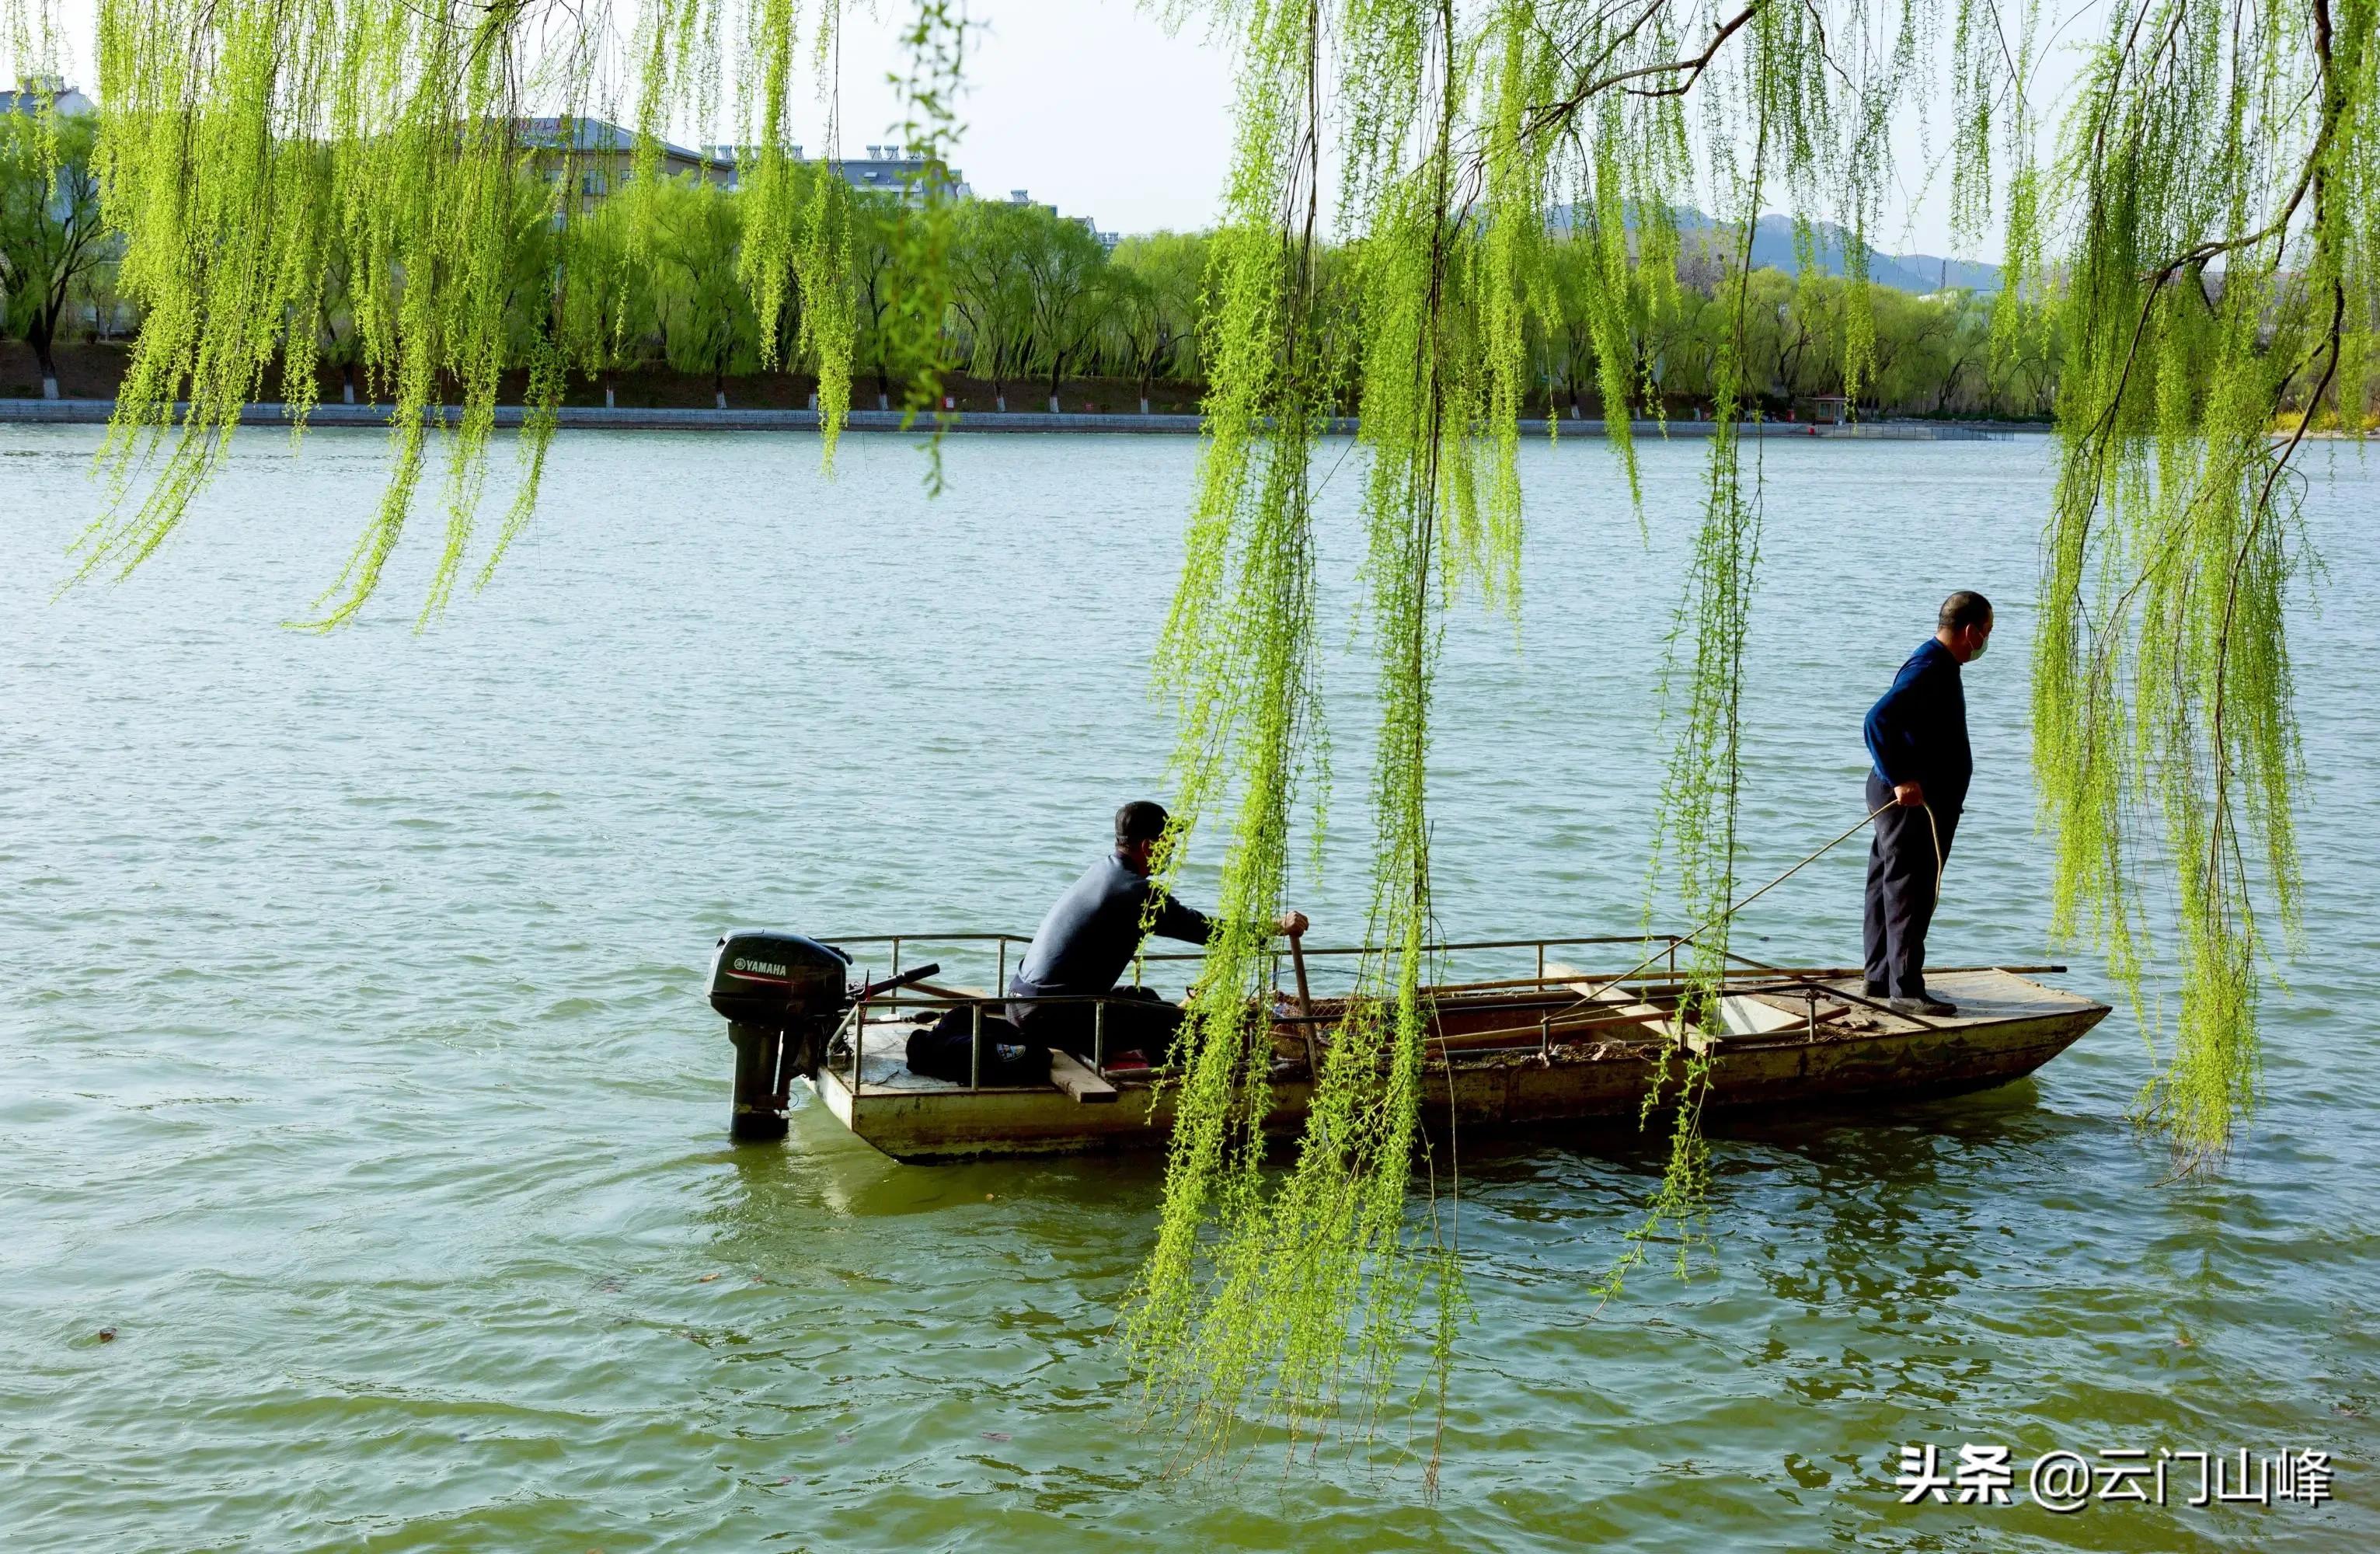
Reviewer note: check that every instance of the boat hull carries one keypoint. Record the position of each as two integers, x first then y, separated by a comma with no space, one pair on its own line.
2006,1028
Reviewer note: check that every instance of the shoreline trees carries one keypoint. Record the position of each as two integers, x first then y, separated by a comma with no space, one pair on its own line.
653,280
52,239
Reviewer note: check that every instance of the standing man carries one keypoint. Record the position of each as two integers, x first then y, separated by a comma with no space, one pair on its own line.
1089,938
1917,738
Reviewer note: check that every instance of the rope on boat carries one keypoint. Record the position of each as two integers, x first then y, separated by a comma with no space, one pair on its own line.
1689,936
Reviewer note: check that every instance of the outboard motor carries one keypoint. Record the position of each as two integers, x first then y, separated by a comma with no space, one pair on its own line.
783,996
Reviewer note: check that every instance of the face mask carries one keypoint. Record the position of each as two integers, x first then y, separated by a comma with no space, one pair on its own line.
1979,650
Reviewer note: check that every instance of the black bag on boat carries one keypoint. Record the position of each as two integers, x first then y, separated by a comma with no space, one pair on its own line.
941,1051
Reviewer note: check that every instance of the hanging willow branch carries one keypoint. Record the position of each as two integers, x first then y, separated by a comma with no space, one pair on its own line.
1291,1302
2224,163
443,161
2215,190
1237,656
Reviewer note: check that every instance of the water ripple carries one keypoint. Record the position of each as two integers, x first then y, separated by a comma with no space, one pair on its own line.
360,1089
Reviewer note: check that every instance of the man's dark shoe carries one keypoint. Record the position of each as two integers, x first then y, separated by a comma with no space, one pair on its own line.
1932,1007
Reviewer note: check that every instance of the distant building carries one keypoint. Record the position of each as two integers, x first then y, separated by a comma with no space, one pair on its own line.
35,93
600,156
884,170
1107,240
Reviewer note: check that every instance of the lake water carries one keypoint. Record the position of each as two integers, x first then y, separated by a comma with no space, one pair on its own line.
358,1076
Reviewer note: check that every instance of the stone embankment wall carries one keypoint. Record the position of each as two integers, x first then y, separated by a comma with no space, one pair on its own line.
593,417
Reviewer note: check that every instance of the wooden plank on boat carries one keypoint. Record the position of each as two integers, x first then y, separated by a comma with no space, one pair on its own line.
1801,1007
1655,1021
1751,1016
1072,1076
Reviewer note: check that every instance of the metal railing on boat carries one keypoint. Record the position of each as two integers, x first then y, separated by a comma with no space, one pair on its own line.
896,942
1745,978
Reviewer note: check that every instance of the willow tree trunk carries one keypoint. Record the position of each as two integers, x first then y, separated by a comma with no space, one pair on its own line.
40,335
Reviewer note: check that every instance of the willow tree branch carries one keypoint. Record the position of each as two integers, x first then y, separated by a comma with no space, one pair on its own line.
2309,180
2335,101
1555,112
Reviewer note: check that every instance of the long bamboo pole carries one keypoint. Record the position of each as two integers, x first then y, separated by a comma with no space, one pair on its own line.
1305,1007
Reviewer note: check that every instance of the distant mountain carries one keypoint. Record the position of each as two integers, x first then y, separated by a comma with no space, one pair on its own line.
1772,247
1772,244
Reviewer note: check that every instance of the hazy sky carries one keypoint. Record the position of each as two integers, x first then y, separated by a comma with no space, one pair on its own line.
1095,107
1091,105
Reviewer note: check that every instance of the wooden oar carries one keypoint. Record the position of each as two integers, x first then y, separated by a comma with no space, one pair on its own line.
1304,1006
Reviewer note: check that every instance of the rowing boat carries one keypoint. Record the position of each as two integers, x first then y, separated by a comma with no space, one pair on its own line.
1552,1048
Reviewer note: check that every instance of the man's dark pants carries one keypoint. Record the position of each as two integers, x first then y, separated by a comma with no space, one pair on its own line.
1903,876
1139,1020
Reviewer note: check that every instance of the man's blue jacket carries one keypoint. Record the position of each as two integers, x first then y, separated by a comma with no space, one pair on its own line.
1917,731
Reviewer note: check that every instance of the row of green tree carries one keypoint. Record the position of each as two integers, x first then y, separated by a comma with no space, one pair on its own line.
657,278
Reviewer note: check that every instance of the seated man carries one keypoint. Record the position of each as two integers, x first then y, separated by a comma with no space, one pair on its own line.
1088,940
